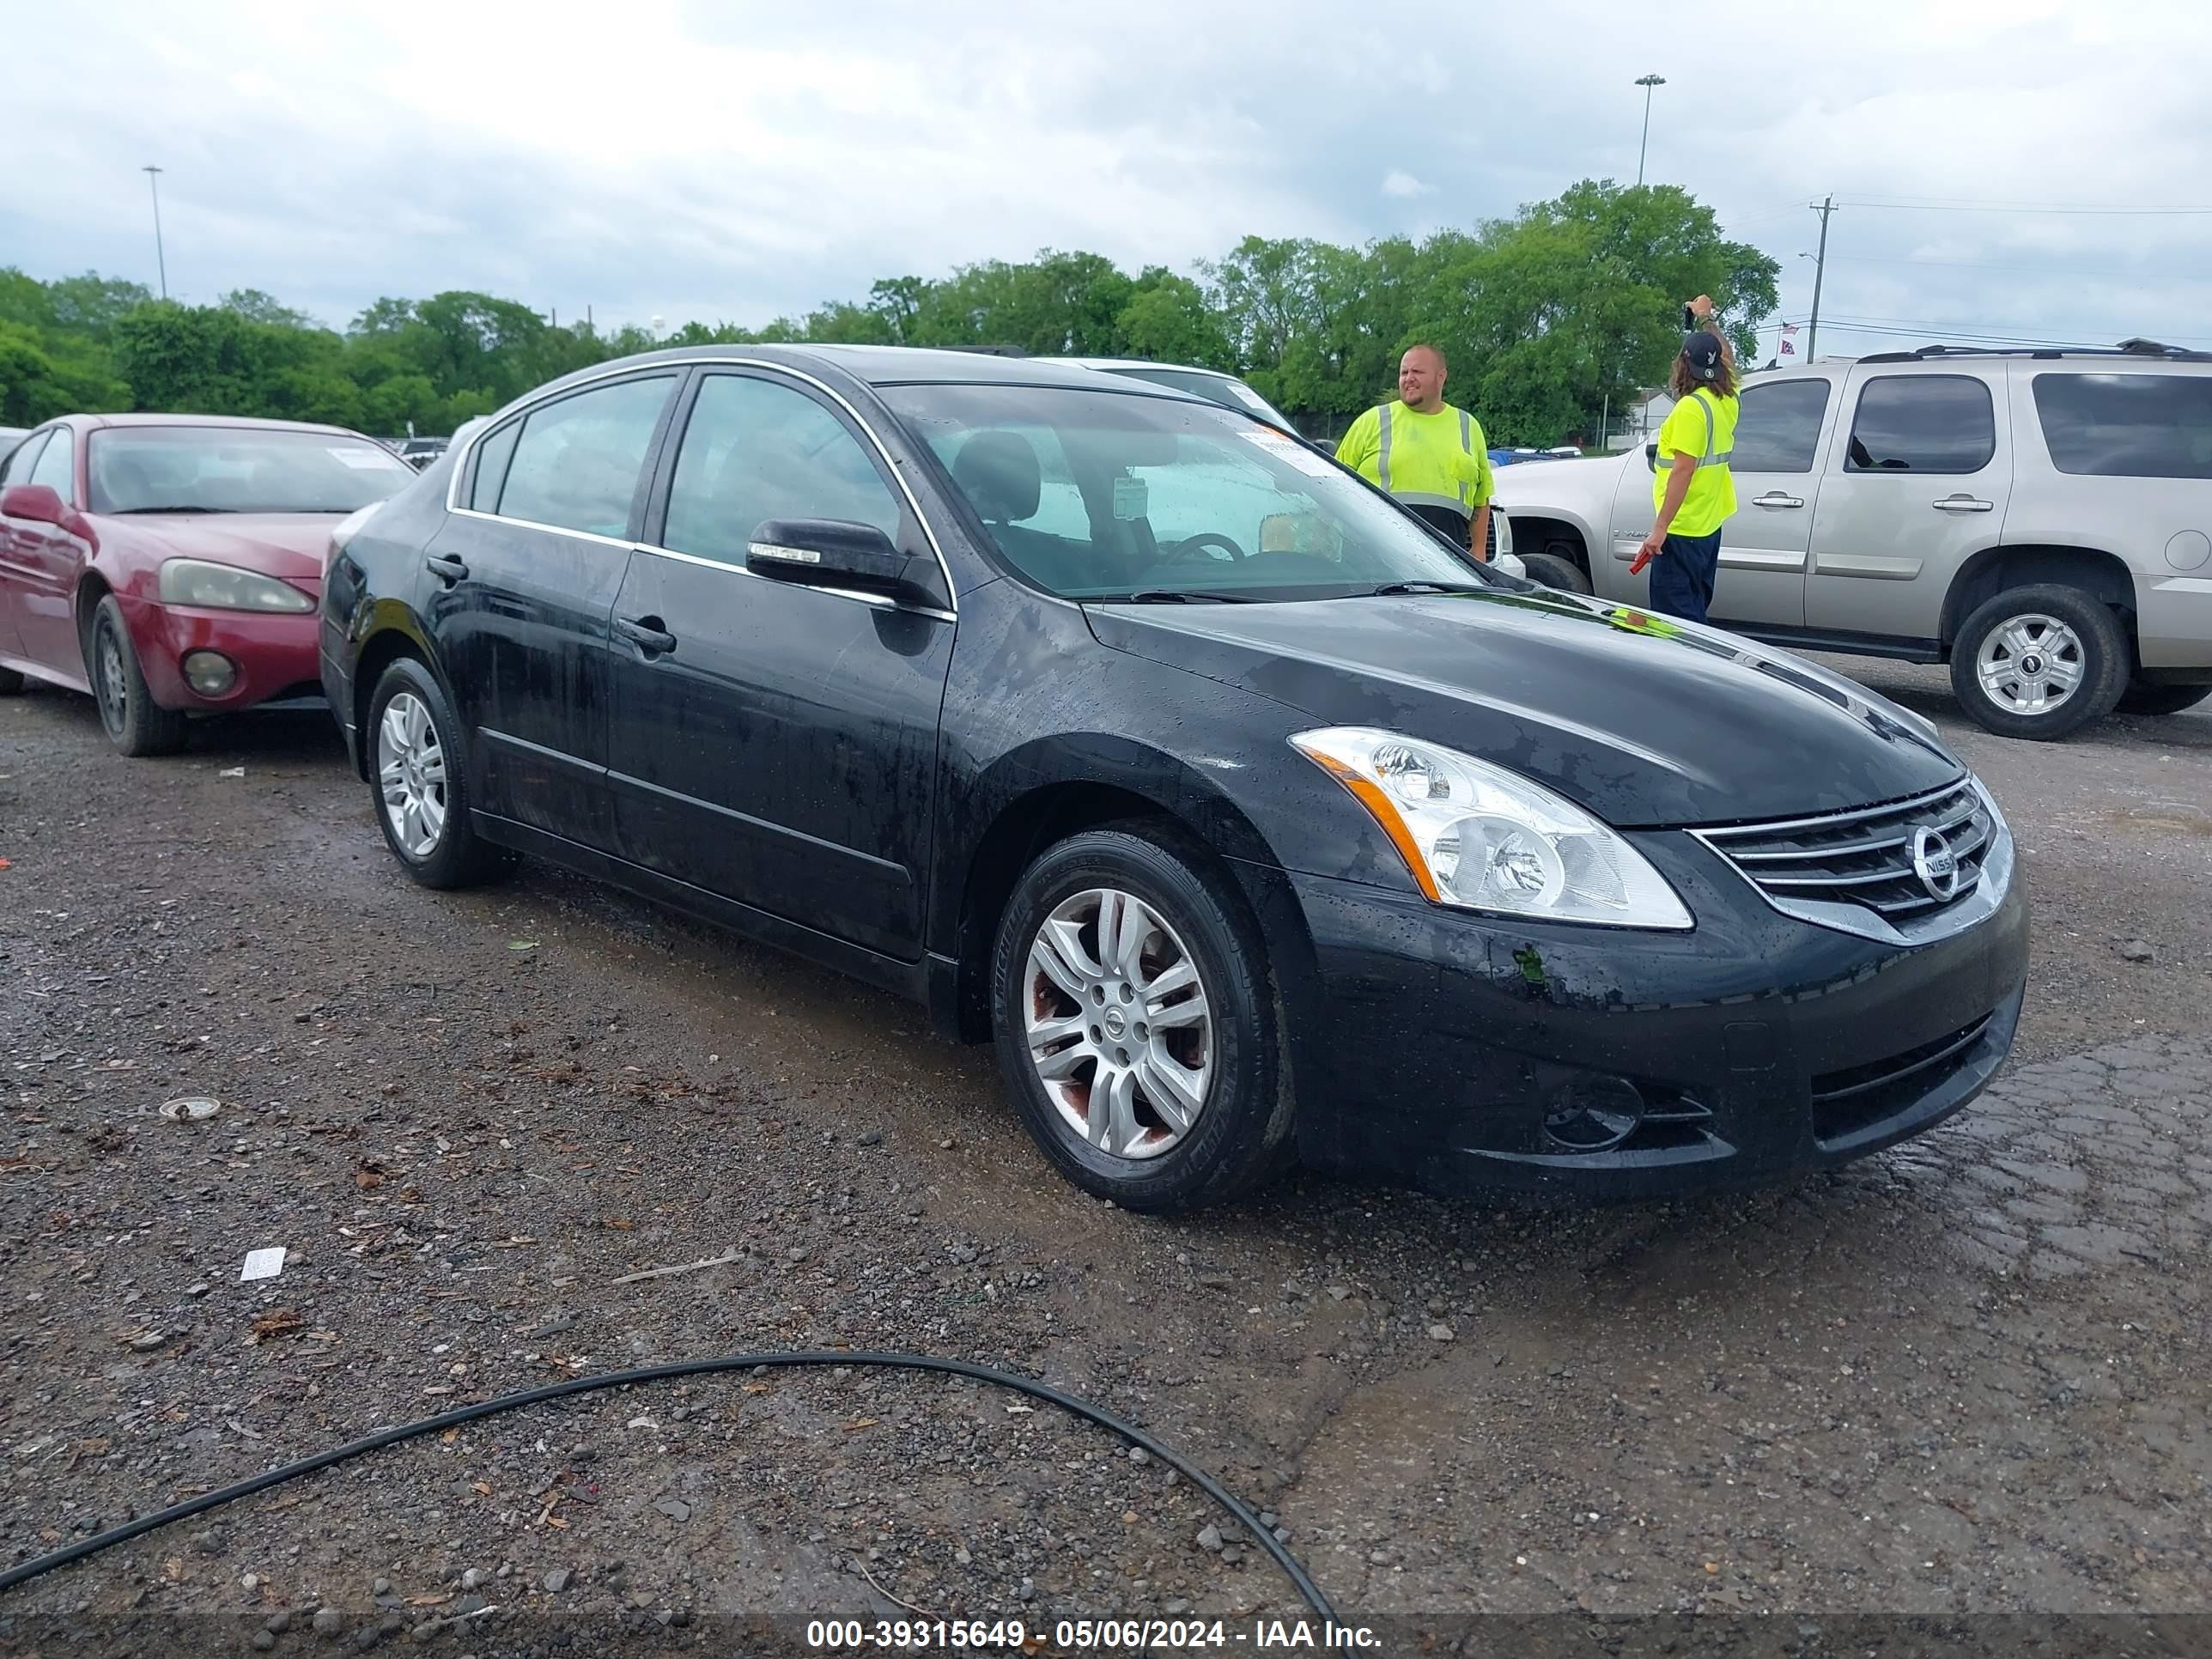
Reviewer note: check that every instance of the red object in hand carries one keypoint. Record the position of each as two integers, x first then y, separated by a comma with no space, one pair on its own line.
1643,558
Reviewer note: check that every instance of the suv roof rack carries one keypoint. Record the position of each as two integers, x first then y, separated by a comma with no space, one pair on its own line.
2132,347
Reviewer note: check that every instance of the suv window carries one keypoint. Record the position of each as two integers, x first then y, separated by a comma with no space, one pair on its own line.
23,458
2127,426
1777,425
1922,423
57,466
576,464
758,449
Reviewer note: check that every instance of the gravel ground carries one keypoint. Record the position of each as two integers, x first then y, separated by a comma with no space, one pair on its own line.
1962,1380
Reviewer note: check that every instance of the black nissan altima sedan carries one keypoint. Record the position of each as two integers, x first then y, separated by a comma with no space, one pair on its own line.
1247,819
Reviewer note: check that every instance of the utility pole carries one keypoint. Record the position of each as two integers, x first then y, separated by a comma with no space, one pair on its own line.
1646,82
160,260
1820,269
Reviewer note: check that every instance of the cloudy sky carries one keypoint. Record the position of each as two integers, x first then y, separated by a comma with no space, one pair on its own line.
741,161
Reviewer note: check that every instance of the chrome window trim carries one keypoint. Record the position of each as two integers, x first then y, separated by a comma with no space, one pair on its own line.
525,410
881,602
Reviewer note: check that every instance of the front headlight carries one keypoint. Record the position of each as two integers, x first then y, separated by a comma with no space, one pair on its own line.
1478,837
226,587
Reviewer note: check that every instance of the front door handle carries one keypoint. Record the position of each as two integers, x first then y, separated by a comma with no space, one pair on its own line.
1962,504
446,567
1776,498
648,633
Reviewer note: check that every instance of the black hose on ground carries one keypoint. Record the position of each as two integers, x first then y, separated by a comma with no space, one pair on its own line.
42,1564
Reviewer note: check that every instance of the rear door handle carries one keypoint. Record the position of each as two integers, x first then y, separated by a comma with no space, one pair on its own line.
1776,498
446,566
648,633
1962,504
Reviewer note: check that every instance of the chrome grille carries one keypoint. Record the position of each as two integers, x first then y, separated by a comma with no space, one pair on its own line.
1864,858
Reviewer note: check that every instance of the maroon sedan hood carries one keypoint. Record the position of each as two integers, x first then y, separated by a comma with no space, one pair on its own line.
287,545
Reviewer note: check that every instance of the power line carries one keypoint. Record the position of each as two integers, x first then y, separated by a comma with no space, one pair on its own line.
2023,266
2020,207
1961,328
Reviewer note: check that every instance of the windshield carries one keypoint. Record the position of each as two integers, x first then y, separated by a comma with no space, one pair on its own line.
1099,495
215,469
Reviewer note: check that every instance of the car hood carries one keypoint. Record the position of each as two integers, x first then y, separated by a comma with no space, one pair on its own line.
1643,720
287,545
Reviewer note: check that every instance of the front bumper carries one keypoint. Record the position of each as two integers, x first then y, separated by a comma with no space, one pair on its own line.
1453,1050
274,652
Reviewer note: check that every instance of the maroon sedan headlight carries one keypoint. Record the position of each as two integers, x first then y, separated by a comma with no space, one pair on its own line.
226,587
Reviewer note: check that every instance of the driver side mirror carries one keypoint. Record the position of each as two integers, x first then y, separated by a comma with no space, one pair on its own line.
838,553
42,504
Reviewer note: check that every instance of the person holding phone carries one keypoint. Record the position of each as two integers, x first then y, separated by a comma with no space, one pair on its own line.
1693,493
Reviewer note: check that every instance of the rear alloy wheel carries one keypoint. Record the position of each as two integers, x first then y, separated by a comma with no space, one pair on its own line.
2039,662
2143,698
135,723
1554,571
421,795
1136,1026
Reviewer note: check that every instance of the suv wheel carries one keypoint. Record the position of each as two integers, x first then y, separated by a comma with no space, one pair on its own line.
2142,698
1136,1028
1554,571
417,771
2039,662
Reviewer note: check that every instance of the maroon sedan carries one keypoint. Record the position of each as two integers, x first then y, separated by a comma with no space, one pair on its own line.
172,563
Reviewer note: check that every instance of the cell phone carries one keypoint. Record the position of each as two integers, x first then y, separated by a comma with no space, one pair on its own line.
1689,319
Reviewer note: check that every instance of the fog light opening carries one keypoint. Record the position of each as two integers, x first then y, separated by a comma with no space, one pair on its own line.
1593,1114
210,673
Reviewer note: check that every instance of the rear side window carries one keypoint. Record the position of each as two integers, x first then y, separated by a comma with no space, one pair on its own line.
576,466
1778,427
57,466
2127,426
492,456
1922,423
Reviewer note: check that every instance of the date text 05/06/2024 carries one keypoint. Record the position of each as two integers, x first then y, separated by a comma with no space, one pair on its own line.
1077,1635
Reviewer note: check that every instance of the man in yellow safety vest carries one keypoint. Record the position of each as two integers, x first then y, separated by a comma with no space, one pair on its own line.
1429,455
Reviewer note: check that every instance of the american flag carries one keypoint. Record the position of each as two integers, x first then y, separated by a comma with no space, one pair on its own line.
1789,346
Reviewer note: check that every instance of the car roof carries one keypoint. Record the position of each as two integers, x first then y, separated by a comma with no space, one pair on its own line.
886,366
240,423
1113,365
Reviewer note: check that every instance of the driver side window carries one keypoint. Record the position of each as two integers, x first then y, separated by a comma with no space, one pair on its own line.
757,449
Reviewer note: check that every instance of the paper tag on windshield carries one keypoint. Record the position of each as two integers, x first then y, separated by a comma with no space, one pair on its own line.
365,460
1248,398
1131,498
1286,448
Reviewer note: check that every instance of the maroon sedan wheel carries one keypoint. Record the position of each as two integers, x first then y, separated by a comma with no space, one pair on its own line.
136,723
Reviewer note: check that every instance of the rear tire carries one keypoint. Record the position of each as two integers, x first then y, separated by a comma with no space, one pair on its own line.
418,778
2141,698
1189,1109
1554,570
135,723
2039,662
10,682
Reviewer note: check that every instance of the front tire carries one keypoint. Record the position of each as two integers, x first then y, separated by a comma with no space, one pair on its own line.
135,723
419,779
2143,698
2039,662
1137,1028
1553,571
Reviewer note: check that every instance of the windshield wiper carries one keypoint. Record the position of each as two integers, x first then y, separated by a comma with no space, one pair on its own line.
122,512
1388,588
1176,596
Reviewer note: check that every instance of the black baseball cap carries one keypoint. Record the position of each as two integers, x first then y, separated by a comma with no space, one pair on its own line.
1702,351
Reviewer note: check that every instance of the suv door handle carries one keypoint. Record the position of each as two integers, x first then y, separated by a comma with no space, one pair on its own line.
648,633
1776,498
1962,504
446,566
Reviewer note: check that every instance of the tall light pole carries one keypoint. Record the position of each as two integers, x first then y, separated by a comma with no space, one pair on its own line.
154,182
1646,82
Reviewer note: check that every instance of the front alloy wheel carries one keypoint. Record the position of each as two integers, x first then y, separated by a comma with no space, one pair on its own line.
1139,1030
1119,1028
2031,665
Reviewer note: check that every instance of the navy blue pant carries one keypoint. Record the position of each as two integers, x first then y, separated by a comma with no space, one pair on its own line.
1682,575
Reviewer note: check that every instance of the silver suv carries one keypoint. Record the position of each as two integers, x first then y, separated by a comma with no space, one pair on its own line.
2037,519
